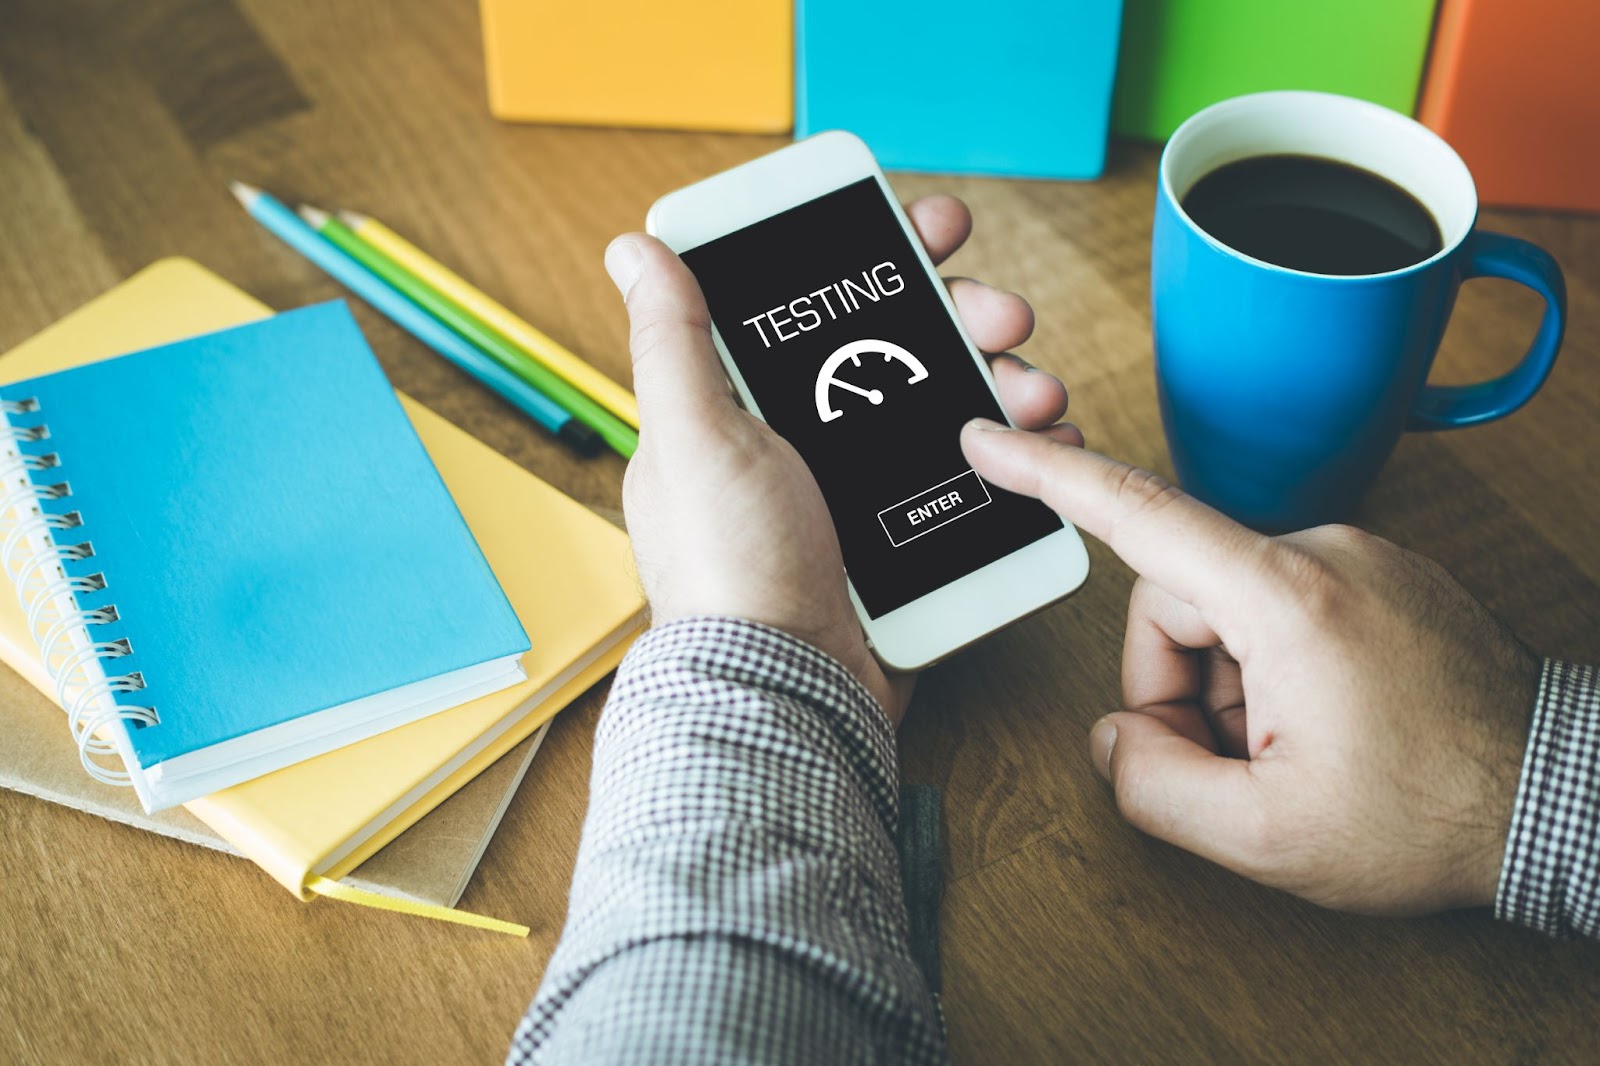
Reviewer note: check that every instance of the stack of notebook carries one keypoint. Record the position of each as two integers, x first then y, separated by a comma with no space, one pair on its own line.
266,588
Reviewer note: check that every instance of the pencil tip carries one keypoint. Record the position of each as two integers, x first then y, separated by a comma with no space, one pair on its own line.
314,216
245,194
353,219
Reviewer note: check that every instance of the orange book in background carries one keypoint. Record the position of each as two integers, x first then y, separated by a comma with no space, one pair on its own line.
698,64
1514,88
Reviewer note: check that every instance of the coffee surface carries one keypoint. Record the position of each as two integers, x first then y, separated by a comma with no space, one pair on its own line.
1313,214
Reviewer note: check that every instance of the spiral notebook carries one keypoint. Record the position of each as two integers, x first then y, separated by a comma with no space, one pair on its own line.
568,572
247,513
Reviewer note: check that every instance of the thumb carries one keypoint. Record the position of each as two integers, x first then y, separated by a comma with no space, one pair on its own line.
1168,786
677,375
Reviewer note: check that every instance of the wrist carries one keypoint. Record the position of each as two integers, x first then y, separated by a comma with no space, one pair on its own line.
838,639
1505,777
844,644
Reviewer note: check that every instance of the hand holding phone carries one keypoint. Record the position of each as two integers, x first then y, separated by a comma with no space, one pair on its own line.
725,518
834,330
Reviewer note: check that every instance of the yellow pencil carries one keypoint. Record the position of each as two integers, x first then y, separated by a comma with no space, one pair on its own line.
539,347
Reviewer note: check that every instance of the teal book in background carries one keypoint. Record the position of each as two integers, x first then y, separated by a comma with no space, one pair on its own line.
1017,88
1179,56
250,532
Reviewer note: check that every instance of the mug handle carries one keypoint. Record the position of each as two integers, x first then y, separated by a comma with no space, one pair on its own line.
1495,255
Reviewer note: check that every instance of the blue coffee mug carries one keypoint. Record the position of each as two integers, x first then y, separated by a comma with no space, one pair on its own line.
1283,392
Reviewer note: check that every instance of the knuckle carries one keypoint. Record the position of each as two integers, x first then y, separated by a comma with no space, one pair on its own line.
639,485
1314,583
657,328
1351,543
1139,487
1145,594
1138,492
1339,535
651,330
634,474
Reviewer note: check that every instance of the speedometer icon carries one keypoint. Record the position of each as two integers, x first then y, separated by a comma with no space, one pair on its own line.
852,353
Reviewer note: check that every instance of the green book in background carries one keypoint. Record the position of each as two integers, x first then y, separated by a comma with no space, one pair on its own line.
1178,56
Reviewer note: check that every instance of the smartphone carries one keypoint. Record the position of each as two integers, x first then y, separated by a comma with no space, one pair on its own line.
837,332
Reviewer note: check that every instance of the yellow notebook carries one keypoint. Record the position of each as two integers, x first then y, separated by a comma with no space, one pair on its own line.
567,572
710,64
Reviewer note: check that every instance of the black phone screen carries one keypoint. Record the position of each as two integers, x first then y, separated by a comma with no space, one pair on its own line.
852,357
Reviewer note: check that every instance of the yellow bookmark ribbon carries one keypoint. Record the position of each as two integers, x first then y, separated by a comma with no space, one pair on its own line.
324,886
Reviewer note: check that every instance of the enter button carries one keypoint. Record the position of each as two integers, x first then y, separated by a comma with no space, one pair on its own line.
933,508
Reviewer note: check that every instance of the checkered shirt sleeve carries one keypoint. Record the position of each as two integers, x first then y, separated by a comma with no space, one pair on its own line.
737,894
1550,878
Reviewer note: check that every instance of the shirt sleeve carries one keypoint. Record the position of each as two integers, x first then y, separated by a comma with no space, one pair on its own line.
1550,878
737,892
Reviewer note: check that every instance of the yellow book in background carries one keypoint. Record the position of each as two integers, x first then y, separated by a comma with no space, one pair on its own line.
708,64
567,572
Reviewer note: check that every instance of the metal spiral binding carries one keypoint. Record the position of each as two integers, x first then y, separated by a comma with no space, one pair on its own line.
35,561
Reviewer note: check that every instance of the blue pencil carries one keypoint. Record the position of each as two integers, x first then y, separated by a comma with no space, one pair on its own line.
289,228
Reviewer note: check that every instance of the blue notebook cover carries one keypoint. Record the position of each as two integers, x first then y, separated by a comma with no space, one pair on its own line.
273,534
1017,87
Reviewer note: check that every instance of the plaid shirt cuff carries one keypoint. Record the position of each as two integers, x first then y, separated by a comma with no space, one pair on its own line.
737,893
1550,879
732,667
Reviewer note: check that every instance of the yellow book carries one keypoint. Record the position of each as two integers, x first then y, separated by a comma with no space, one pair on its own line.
708,64
567,572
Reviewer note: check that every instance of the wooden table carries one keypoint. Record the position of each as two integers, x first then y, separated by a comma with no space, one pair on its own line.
1067,935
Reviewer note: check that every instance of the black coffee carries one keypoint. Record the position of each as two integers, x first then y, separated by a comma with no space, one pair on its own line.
1313,214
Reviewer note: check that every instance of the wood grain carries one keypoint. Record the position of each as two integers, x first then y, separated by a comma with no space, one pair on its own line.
1067,936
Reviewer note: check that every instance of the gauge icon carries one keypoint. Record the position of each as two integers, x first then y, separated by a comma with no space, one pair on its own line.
827,380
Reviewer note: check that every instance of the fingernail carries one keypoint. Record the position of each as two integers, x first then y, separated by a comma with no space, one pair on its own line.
986,425
1029,367
623,260
1102,738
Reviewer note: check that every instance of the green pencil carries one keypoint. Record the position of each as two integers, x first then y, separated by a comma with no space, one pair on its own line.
623,438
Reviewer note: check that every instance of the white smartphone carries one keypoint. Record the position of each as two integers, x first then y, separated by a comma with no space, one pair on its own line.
838,333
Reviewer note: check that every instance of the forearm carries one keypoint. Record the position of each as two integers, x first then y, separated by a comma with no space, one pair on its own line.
737,893
1550,879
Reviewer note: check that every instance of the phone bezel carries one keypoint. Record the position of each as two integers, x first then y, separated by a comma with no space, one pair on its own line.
971,607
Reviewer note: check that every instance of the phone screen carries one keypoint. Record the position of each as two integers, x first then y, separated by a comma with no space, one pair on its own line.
852,357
